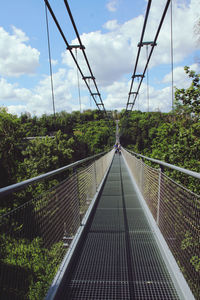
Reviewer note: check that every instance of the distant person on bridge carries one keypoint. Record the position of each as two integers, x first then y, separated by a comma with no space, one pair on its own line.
117,148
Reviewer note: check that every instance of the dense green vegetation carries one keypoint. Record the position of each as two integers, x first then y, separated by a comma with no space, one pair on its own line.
76,135
57,142
172,137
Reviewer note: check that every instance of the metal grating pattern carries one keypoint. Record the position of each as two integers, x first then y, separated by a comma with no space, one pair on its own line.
110,202
35,236
118,257
131,201
103,258
108,220
176,211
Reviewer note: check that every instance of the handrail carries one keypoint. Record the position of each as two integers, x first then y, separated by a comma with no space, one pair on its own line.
18,186
164,164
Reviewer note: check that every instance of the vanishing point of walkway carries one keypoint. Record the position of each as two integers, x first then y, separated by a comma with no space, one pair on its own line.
118,257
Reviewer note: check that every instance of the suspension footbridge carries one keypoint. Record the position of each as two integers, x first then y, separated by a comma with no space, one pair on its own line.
112,227
119,229
118,257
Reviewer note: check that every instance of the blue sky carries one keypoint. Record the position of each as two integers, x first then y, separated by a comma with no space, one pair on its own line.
110,30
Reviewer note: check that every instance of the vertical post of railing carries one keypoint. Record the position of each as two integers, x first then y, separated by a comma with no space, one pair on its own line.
160,170
141,175
95,173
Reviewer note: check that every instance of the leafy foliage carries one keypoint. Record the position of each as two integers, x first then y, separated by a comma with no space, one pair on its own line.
172,137
99,137
11,142
55,142
37,266
188,100
43,155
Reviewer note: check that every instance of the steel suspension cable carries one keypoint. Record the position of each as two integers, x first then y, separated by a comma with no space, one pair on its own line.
50,65
62,34
71,52
152,48
139,48
83,50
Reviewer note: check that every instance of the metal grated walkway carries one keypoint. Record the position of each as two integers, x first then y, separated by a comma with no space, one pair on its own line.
118,257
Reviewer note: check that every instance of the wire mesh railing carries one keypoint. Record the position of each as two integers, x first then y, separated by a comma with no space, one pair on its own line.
177,213
36,235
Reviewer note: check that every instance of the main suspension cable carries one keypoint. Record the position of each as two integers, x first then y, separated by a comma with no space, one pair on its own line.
83,50
139,48
74,58
150,54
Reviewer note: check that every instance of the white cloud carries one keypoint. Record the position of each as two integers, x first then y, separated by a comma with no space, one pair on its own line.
17,109
184,39
11,92
117,95
158,99
19,35
111,25
7,89
111,56
38,100
54,62
16,58
112,5
181,79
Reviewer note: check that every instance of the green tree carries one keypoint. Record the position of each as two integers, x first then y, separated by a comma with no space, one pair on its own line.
34,265
188,100
97,136
11,143
45,154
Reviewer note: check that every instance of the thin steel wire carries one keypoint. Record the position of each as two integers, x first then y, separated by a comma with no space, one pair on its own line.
149,57
118,257
35,236
177,212
139,48
84,54
74,58
50,64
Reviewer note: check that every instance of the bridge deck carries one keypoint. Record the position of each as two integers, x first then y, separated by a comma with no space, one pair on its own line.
119,257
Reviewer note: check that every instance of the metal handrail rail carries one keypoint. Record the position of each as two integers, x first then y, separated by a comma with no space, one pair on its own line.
170,166
18,186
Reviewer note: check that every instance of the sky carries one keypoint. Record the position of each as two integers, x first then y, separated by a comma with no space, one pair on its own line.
110,31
